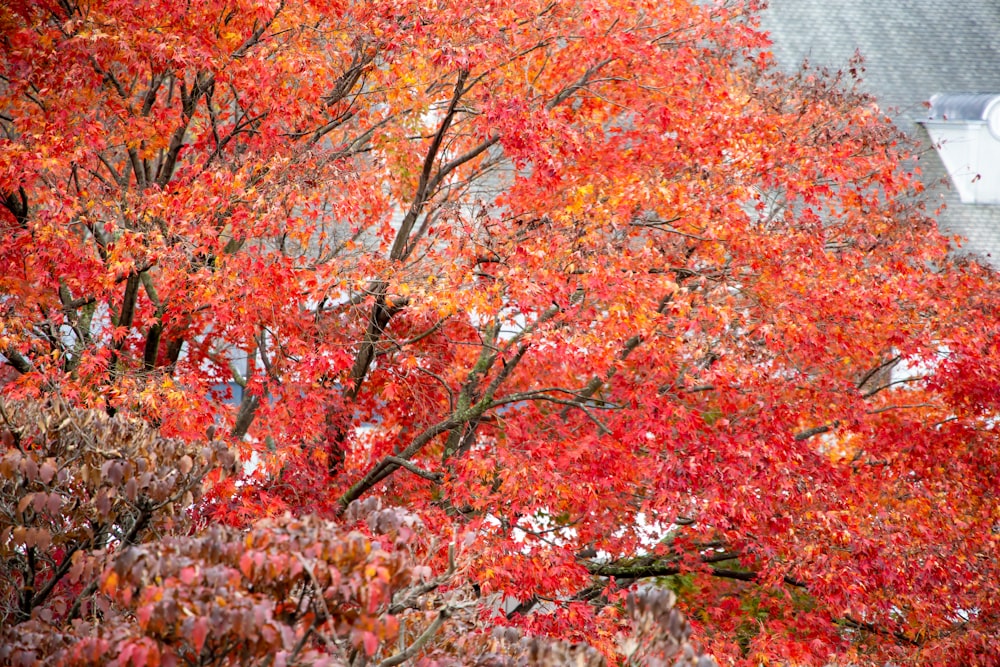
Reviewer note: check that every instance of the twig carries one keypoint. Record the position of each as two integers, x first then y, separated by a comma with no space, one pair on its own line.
319,589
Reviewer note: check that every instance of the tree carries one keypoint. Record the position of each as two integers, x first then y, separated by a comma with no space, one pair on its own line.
589,286
85,586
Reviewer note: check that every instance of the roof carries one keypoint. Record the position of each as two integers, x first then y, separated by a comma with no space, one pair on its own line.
912,50
962,106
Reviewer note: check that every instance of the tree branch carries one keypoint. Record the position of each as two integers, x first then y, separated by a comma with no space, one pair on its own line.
875,390
375,475
20,364
56,577
871,373
130,538
423,190
403,656
420,472
245,415
646,567
414,594
382,313
815,430
854,624
17,204
560,401
566,92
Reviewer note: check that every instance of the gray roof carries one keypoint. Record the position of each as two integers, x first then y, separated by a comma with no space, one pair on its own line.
963,106
913,49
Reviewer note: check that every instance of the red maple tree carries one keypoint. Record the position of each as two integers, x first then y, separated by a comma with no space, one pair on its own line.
589,289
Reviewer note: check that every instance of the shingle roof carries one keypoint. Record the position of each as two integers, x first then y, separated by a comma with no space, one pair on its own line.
912,49
963,106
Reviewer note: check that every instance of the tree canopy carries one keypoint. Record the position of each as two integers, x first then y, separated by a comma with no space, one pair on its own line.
373,332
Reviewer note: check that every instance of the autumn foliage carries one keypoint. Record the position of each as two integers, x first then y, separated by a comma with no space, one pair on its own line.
391,331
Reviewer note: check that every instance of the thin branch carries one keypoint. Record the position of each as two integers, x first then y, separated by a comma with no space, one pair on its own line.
402,657
374,476
56,577
257,34
410,601
854,624
872,392
816,430
441,381
396,345
574,404
665,226
568,91
130,538
870,374
580,395
900,407
420,472
317,586
453,164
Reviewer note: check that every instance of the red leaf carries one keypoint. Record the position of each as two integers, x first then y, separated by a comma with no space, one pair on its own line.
199,631
371,643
